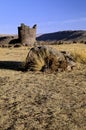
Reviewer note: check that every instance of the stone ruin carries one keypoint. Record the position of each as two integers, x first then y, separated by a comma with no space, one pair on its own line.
44,58
27,35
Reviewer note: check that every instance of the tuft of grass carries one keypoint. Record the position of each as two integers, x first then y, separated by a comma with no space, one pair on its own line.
78,51
35,61
38,63
79,55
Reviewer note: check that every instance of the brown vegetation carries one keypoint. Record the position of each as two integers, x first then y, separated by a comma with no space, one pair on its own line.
41,101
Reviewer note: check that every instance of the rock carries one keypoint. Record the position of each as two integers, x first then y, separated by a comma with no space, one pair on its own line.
44,58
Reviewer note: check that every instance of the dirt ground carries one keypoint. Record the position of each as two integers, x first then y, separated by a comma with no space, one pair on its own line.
37,100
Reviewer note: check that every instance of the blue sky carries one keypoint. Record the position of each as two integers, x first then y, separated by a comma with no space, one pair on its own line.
49,15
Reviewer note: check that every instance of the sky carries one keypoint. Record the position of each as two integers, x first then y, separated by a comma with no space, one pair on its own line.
49,15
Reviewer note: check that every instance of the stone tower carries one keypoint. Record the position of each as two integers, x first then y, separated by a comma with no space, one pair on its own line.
27,35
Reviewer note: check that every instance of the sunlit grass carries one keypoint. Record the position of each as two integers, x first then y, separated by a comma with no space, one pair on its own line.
78,51
80,55
38,63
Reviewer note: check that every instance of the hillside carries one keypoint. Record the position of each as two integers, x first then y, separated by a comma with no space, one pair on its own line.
78,35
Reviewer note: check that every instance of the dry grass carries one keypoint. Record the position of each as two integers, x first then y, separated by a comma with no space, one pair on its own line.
80,55
38,63
36,59
78,51
40,101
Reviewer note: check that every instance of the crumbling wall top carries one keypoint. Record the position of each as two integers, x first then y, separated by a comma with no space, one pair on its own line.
26,34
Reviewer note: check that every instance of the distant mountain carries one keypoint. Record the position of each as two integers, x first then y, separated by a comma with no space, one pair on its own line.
79,35
75,36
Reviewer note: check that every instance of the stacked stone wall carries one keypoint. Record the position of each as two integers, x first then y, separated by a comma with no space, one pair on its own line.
26,34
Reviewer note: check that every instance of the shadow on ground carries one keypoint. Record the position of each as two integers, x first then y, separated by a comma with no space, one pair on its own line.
10,65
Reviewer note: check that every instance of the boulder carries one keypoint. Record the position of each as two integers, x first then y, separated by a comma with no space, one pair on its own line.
44,58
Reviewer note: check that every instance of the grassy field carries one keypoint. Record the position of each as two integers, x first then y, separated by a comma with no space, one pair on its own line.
39,100
78,51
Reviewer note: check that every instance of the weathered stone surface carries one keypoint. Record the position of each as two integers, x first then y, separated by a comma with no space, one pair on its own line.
27,35
46,58
5,40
